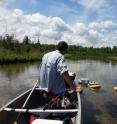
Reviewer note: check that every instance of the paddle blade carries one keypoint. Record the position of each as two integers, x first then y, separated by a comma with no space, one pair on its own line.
15,122
115,89
79,89
35,81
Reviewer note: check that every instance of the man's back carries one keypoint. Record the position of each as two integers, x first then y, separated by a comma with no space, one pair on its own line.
53,66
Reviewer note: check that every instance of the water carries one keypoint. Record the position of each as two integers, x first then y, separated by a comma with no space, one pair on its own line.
15,79
97,107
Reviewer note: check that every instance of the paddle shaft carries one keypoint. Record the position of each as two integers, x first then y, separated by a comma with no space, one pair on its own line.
27,98
30,94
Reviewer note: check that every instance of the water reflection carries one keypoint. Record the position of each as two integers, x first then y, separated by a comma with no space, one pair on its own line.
98,107
95,70
11,70
15,79
88,107
112,109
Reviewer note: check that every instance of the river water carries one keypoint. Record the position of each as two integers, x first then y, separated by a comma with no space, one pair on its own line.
97,107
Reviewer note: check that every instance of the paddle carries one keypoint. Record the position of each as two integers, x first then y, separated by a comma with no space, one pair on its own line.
36,82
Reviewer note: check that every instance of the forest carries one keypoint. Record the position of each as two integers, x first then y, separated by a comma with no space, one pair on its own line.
13,50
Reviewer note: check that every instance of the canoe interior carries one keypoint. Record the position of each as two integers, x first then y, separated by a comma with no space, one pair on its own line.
8,117
37,100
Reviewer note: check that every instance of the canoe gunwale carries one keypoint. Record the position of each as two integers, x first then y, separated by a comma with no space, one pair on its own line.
77,119
78,116
2,108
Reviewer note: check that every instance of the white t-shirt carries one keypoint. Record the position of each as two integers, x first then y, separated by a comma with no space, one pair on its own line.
53,66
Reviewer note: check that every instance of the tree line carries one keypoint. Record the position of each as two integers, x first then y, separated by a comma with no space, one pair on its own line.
13,50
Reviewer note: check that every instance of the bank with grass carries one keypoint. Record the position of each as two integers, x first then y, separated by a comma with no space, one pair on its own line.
12,51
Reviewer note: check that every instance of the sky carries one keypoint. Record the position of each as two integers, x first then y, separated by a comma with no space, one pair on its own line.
78,22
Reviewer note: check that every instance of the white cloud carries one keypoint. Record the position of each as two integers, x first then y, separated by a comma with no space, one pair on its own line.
110,39
92,4
5,2
52,29
37,18
79,28
94,37
103,9
59,25
17,12
102,25
76,39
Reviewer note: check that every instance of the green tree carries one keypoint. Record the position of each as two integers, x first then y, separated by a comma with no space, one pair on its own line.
26,40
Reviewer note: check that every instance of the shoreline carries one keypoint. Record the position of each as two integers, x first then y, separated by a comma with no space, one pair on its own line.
24,60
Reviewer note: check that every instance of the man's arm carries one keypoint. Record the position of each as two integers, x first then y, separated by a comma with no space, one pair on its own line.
68,80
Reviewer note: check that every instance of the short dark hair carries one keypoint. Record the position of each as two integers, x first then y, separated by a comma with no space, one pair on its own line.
62,45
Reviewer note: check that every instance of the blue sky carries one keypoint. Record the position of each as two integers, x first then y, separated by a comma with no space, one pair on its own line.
70,10
80,22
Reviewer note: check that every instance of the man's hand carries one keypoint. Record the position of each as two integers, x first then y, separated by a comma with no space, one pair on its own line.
69,80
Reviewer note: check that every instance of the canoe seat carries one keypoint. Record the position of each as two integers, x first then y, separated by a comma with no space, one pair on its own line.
46,121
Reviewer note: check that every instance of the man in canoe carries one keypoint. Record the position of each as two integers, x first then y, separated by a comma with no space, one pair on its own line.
54,71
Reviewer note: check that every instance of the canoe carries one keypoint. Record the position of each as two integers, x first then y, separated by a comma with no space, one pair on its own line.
37,108
94,83
95,86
